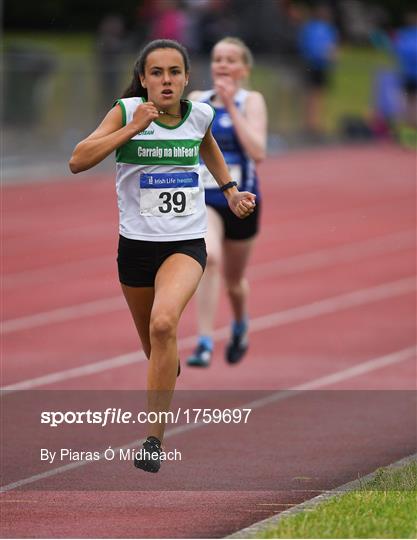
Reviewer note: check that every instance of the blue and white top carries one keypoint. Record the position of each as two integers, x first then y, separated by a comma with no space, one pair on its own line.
241,167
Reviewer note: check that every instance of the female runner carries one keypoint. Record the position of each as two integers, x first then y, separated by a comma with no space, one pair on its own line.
240,129
161,256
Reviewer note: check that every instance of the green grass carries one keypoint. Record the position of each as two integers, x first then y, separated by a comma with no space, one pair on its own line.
386,507
351,89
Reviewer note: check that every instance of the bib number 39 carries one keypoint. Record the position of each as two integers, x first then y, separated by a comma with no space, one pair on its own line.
168,194
172,202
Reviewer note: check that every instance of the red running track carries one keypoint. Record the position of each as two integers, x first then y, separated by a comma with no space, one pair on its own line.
332,308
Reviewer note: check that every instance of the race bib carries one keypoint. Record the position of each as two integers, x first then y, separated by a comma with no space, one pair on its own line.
168,194
210,183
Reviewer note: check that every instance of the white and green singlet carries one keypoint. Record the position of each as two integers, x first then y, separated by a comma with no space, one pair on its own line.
160,195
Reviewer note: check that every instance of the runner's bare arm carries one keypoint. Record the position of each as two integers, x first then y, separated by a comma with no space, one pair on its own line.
214,160
251,126
109,135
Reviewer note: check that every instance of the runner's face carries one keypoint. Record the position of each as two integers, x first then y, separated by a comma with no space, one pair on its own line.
227,61
164,77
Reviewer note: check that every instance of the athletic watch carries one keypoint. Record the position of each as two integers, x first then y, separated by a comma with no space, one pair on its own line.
228,185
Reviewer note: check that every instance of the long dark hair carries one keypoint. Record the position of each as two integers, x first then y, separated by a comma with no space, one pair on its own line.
135,89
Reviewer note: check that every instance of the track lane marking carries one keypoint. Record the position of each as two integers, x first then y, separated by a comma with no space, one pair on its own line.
280,395
340,254
69,313
258,324
13,278
298,263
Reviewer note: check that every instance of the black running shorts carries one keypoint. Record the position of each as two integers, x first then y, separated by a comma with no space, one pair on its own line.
138,261
236,228
317,77
409,85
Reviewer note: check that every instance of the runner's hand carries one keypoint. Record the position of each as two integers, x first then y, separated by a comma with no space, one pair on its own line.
242,203
225,88
145,113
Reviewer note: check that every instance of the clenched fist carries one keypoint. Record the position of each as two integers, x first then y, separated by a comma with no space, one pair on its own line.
226,88
145,113
242,203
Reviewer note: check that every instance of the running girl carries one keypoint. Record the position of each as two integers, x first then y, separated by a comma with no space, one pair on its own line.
161,256
240,128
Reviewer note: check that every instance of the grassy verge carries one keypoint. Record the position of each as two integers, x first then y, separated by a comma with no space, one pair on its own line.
386,507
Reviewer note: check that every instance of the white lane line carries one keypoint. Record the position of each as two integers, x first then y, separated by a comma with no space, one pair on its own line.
269,231
87,309
280,395
258,324
392,243
290,265
336,303
39,275
340,254
361,369
340,376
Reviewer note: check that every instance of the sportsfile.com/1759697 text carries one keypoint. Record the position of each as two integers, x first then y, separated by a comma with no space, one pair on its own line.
113,415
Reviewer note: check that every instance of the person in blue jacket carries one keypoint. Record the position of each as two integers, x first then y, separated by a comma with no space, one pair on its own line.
317,41
240,129
405,48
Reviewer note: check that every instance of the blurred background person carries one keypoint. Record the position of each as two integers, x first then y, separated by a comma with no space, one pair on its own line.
216,19
143,18
110,48
318,40
170,22
387,104
405,48
163,19
240,129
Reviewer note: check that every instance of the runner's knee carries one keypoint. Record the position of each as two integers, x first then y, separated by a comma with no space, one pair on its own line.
236,287
163,327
